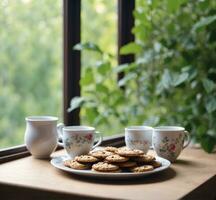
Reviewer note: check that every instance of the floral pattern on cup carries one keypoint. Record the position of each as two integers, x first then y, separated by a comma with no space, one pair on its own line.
137,142
140,144
78,140
169,147
138,137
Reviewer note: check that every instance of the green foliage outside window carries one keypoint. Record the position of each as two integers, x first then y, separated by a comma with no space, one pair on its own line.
172,80
30,64
31,57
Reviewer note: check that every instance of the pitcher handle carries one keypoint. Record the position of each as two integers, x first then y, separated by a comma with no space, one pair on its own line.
100,139
60,127
187,134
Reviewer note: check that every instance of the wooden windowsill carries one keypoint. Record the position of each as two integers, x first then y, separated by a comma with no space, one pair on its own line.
193,176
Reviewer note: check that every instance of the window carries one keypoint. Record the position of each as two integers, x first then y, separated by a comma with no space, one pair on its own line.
31,73
174,56
99,26
30,64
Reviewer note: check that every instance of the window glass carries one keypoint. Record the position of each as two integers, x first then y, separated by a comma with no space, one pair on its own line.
99,27
30,64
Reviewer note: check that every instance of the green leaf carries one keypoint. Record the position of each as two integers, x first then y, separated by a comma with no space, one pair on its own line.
88,77
212,70
142,60
173,5
117,98
100,119
212,133
118,101
121,68
88,46
103,67
166,79
142,31
203,22
102,89
126,78
155,3
172,79
139,15
208,143
131,48
159,88
192,71
123,119
91,114
75,103
179,79
91,102
210,104
209,85
124,67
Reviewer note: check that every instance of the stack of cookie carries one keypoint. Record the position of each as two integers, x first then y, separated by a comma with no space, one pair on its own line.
112,159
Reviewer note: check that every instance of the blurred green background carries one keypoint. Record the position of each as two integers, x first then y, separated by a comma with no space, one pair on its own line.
30,64
31,57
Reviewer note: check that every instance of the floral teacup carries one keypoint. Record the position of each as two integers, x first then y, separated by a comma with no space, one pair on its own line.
139,137
168,141
78,140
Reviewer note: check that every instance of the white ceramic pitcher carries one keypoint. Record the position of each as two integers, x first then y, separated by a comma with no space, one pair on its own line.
41,135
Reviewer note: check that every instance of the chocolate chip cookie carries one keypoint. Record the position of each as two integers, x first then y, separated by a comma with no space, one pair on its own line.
143,168
111,149
100,154
127,164
86,159
76,165
144,158
105,167
116,158
129,152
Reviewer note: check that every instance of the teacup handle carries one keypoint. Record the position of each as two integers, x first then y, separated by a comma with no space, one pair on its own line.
187,134
100,139
60,127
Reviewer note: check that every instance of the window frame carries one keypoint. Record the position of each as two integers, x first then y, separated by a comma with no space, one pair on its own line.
125,24
72,65
72,58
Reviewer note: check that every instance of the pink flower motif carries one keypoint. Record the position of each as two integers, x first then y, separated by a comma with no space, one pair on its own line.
89,136
145,142
172,147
